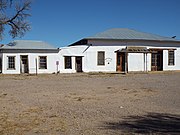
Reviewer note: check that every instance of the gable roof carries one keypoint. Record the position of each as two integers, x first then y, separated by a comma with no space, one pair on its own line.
28,45
129,34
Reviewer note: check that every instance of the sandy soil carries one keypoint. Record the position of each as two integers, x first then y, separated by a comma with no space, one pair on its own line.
90,104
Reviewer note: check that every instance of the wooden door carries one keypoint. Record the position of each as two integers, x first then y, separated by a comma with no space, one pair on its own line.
157,61
24,64
79,64
120,62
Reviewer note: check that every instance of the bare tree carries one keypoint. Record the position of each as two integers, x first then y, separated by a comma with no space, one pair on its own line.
14,14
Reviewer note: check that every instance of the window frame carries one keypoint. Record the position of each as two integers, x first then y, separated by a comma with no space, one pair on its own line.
99,62
67,62
171,57
40,66
14,64
154,59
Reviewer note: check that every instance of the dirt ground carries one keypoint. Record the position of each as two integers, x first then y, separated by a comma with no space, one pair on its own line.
90,104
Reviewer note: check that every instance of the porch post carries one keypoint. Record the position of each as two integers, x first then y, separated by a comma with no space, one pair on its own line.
125,63
146,63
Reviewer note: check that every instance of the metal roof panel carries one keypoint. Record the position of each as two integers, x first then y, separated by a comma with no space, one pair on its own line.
27,44
129,34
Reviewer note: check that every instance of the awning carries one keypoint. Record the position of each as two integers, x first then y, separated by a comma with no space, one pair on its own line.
160,49
135,49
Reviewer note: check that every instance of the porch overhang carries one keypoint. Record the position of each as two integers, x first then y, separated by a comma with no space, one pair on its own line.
134,49
160,49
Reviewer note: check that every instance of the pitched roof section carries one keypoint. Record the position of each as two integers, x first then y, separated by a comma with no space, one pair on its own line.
129,34
28,44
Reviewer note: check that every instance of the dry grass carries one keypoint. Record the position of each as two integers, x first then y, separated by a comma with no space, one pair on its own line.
31,119
80,103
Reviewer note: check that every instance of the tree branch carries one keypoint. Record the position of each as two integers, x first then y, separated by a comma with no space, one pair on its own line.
17,23
25,7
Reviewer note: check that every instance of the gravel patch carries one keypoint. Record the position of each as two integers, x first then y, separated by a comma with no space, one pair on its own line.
90,104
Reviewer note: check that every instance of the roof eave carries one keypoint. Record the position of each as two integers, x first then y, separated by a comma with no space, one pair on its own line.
9,50
175,41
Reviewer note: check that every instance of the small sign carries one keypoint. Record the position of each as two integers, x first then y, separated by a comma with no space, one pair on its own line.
57,62
108,60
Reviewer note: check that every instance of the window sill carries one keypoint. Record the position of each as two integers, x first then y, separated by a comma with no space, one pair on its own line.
100,65
11,69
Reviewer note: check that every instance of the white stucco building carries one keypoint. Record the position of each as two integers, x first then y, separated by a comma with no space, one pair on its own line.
28,57
115,50
121,50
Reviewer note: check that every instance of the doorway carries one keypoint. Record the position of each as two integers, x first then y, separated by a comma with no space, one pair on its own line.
24,64
79,64
157,61
120,62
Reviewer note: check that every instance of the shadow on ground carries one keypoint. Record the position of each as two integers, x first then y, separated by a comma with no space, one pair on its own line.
151,123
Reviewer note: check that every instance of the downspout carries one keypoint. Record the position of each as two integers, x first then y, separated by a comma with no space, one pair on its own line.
87,48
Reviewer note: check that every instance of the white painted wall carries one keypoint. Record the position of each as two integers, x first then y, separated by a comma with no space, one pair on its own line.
89,58
5,69
136,62
72,51
110,59
51,63
167,67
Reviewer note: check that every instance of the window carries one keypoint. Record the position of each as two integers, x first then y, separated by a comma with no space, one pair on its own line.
11,62
171,57
42,62
101,58
68,62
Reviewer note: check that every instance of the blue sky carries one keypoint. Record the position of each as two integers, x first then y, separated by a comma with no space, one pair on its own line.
62,22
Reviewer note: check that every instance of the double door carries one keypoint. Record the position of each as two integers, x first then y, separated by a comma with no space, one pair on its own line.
157,61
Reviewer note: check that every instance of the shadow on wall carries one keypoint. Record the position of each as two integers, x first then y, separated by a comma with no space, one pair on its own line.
151,123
